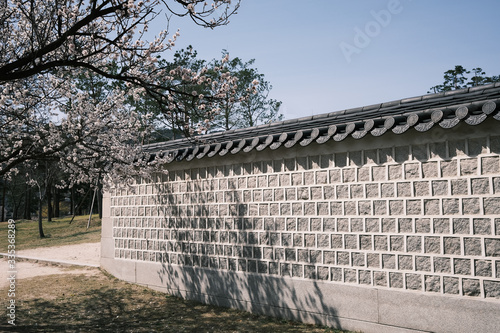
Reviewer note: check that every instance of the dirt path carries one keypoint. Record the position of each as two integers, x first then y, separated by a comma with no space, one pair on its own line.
79,254
86,253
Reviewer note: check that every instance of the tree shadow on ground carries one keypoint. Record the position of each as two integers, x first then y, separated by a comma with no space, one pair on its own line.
104,304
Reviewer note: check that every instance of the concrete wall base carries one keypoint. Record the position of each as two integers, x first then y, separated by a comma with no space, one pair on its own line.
336,305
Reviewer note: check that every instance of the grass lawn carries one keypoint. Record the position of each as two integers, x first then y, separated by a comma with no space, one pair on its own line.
79,303
58,232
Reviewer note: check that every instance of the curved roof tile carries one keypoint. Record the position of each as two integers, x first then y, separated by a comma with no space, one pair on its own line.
472,106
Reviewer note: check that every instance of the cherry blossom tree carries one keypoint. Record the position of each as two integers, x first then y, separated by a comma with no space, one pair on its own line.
47,48
46,116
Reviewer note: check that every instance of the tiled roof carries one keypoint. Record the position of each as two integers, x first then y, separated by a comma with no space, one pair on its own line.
471,105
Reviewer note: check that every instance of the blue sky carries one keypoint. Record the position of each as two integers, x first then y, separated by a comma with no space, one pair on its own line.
328,55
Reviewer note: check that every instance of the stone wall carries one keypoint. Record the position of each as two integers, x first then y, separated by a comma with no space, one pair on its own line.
414,214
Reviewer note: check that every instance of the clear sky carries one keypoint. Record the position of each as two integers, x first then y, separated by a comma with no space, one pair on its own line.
328,55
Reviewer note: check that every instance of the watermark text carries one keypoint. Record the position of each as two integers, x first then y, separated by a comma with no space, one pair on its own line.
11,272
363,36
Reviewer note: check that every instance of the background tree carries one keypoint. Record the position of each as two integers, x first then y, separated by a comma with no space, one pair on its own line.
42,176
249,105
456,79
479,78
18,196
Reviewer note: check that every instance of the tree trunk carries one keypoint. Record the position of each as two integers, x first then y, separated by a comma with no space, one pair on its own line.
72,201
226,118
3,200
15,210
27,203
56,202
49,203
99,204
99,200
40,227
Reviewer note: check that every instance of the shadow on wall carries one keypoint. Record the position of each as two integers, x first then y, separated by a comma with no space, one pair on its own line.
255,293
222,249
221,261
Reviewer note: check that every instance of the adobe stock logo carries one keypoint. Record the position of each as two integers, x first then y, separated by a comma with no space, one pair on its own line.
363,37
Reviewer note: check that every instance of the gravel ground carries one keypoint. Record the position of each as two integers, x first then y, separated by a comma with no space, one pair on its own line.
81,254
